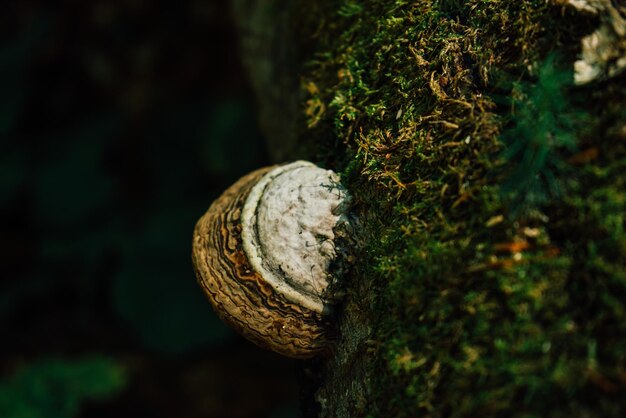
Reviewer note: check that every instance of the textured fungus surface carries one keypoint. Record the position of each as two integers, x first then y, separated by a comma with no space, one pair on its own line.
288,222
262,253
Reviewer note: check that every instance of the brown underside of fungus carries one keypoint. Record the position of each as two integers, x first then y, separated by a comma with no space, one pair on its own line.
264,253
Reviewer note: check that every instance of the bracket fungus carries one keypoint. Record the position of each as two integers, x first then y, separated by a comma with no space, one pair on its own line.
266,251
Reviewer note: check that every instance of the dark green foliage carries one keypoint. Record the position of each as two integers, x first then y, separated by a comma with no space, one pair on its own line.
117,129
104,171
14,59
482,309
57,388
545,125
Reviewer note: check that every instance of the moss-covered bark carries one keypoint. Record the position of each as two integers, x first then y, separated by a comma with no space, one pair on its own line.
493,197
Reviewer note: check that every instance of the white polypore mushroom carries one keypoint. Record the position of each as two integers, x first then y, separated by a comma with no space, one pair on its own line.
264,252
288,221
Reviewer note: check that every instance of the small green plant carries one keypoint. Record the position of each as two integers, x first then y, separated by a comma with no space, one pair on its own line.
56,388
543,127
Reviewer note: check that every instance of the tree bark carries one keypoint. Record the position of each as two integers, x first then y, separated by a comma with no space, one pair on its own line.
488,276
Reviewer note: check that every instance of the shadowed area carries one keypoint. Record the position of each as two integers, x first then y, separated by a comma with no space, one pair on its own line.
119,123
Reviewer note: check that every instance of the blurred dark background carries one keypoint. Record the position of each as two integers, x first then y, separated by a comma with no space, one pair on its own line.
120,121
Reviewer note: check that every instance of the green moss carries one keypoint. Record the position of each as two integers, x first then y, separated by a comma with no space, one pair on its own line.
482,309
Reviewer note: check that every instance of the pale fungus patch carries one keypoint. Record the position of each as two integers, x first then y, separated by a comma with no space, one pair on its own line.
288,223
604,51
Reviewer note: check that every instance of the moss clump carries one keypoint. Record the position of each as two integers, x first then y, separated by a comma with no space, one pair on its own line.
488,302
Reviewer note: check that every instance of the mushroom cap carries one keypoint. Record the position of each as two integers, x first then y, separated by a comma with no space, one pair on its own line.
263,253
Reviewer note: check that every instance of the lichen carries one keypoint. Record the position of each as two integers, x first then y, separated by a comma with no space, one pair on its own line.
482,302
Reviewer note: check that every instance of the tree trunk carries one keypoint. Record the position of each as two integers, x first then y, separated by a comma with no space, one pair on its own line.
489,178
